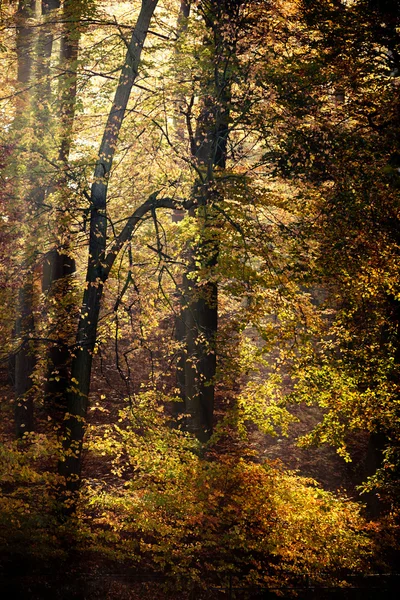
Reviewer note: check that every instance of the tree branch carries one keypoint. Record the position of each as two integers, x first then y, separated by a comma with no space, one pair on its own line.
151,204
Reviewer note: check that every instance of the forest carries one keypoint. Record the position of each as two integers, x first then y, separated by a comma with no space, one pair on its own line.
200,299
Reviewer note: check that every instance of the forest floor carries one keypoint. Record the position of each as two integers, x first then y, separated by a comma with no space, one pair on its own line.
109,390
321,463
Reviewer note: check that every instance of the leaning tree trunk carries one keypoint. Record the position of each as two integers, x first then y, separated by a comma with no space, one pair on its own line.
77,399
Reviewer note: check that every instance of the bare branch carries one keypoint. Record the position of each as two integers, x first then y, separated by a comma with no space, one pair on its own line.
151,204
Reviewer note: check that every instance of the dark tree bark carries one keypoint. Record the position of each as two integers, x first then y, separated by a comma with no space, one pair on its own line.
98,267
78,402
24,359
199,315
56,282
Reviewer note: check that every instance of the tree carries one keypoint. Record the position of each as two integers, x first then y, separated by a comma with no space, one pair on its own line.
342,148
24,326
208,147
99,263
59,264
214,106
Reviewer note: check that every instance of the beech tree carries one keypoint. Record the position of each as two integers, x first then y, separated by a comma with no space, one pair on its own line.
38,111
208,148
59,263
342,149
24,326
99,263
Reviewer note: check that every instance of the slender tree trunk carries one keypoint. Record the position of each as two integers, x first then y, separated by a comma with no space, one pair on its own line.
181,319
69,52
36,113
32,51
59,264
77,400
43,56
24,41
24,359
56,282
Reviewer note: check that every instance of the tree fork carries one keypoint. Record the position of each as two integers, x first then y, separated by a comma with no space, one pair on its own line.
77,400
97,273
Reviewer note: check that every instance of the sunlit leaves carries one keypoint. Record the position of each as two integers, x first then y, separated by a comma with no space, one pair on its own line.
196,516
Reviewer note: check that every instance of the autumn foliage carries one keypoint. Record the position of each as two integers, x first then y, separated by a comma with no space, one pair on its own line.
199,237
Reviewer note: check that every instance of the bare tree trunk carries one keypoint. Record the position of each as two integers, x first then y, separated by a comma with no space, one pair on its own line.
77,401
24,327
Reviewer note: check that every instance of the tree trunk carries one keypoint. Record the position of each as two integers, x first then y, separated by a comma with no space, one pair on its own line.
373,461
24,360
77,400
24,41
24,327
201,322
199,314
43,56
34,197
56,282
59,266
69,51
